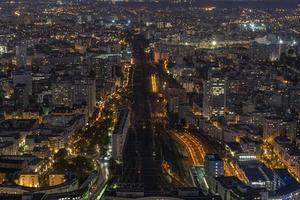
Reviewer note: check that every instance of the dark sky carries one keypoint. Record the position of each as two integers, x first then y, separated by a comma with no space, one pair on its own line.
234,3
251,3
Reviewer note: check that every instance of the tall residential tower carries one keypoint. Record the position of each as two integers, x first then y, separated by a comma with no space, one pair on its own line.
214,94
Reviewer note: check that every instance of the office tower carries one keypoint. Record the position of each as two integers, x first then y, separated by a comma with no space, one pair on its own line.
21,55
214,94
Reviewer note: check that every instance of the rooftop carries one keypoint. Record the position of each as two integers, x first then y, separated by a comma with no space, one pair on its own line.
256,171
213,157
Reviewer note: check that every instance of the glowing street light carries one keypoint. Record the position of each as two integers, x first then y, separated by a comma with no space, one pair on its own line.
214,43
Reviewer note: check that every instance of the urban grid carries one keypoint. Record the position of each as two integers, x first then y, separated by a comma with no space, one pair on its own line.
150,99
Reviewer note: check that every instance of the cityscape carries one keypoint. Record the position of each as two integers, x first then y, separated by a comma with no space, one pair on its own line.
149,99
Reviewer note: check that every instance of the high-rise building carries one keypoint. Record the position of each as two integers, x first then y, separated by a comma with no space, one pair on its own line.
105,67
21,55
214,94
75,92
85,92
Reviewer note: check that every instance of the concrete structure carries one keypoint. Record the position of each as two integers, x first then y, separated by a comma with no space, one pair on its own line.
56,179
258,174
21,55
214,94
176,97
70,92
120,133
213,167
275,126
22,76
230,187
29,180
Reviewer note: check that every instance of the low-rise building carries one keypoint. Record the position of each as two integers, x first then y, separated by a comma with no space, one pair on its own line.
56,179
29,180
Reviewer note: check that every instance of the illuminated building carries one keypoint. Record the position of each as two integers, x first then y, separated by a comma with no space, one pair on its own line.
276,126
288,153
3,49
28,114
62,94
214,94
8,148
160,56
85,92
75,92
29,180
56,179
106,68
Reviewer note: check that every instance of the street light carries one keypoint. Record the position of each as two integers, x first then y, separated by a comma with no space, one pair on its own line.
214,43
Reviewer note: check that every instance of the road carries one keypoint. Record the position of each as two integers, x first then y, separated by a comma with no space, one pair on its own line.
192,145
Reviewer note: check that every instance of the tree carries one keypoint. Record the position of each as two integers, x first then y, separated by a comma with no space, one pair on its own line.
62,154
82,167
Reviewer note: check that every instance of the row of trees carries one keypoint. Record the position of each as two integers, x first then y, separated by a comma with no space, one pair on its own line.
90,145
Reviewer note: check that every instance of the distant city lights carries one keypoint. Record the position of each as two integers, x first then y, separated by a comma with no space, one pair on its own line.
254,26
